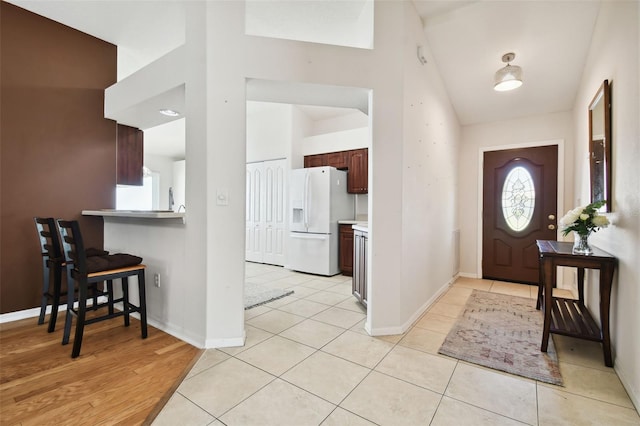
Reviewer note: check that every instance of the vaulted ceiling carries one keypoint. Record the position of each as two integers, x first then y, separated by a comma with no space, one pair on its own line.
467,40
551,41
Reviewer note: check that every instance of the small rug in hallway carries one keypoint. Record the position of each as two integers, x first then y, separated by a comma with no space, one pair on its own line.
504,333
256,295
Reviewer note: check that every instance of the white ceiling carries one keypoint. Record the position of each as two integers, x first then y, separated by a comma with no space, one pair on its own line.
550,39
466,38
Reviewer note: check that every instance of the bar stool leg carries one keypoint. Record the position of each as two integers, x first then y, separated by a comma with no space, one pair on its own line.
68,320
57,290
110,295
45,291
125,300
82,312
143,303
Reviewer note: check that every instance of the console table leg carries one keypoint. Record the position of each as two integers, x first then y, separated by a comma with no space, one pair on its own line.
548,278
606,279
581,285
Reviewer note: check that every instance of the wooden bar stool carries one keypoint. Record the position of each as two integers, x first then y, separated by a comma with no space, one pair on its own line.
85,271
52,266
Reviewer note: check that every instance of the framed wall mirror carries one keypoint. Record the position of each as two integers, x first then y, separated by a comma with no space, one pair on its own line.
600,146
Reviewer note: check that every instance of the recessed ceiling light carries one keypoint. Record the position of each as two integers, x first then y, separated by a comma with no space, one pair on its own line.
169,112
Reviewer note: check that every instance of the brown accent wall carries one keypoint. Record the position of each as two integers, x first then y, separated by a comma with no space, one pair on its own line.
57,151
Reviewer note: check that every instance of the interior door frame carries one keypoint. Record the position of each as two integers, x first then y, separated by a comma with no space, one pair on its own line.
560,189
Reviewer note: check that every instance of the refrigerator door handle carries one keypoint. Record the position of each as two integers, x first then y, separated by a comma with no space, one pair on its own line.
306,199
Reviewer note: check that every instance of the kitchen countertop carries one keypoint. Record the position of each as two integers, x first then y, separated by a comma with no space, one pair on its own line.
353,222
139,214
363,227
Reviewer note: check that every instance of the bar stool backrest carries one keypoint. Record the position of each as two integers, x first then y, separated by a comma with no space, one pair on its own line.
49,239
73,246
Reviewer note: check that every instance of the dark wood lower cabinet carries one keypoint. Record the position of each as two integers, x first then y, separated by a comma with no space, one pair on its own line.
359,280
346,250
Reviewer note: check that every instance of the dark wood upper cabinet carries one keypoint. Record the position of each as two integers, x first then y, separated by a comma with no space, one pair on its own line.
358,179
339,160
318,160
130,155
355,161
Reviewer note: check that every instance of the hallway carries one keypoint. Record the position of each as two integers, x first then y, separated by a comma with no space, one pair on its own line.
310,351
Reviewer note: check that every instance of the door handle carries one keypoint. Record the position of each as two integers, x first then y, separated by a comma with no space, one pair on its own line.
552,217
551,226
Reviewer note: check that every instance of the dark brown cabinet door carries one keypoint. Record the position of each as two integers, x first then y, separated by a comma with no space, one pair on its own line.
318,160
130,155
356,162
519,207
339,160
358,179
346,250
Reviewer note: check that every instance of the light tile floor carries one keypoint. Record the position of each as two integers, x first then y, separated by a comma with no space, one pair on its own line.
308,361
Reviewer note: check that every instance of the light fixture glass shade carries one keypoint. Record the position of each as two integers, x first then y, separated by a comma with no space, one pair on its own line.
508,78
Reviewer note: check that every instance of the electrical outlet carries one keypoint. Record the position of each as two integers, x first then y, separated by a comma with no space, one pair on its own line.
156,280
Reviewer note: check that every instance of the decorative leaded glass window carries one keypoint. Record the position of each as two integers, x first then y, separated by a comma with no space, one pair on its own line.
518,198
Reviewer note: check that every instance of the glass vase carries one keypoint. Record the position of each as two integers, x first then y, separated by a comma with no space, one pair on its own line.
581,244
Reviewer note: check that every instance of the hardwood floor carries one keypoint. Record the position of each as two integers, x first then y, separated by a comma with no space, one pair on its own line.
118,378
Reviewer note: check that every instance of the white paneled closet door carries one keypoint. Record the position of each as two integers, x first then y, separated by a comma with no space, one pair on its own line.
253,244
274,211
266,212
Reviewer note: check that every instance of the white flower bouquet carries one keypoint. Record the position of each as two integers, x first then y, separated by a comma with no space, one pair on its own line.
584,220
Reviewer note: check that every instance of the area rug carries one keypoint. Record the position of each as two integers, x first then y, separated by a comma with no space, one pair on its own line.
504,333
256,295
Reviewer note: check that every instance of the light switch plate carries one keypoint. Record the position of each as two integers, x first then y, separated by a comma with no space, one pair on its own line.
222,197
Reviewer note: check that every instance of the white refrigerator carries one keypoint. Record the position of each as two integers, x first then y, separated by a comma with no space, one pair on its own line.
318,199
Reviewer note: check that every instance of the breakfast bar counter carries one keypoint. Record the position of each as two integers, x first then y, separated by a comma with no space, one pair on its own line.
137,214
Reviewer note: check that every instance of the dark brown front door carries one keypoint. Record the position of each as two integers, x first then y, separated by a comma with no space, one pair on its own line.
519,207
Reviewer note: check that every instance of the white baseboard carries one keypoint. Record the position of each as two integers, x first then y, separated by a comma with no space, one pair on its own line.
167,328
468,275
27,313
389,331
35,312
226,343
633,393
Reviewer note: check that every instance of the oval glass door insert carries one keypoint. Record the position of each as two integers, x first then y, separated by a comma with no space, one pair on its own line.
518,198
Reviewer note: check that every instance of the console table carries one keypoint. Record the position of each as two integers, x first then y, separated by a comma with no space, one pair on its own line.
570,317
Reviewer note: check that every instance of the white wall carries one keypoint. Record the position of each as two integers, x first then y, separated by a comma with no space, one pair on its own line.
278,60
163,166
614,55
353,120
300,129
268,131
430,146
162,245
336,23
413,166
523,131
336,141
179,184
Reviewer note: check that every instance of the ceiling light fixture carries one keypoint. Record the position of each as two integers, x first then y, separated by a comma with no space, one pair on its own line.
169,112
509,77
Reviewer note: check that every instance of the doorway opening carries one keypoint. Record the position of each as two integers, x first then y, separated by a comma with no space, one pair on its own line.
287,122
